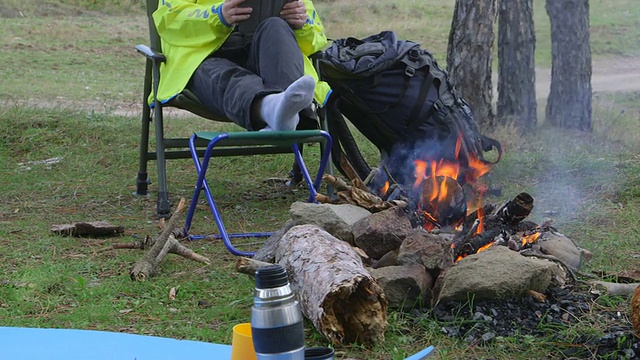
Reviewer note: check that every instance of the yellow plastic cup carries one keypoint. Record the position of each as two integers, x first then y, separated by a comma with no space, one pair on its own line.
242,343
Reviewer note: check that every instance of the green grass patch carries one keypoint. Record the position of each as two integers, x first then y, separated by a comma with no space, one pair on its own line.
69,94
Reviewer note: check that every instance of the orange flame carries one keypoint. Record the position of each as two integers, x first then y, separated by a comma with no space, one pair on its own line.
480,228
430,224
385,188
530,239
436,170
477,168
485,247
420,172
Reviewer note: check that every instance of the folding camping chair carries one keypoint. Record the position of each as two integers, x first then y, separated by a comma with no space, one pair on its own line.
202,146
250,143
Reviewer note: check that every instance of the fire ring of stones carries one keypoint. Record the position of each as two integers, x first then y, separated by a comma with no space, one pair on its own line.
508,279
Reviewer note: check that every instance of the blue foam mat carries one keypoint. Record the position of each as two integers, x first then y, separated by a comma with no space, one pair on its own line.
71,344
68,344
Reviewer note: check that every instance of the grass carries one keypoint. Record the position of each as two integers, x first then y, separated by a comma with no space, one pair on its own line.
69,89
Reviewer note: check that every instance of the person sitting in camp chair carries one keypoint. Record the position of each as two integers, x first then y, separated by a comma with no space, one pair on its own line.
260,80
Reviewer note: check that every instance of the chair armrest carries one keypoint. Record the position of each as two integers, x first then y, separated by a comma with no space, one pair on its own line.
150,54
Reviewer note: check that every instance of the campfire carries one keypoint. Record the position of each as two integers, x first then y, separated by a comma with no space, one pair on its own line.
436,218
438,200
383,243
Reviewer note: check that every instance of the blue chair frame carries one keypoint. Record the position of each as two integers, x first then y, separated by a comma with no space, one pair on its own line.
253,142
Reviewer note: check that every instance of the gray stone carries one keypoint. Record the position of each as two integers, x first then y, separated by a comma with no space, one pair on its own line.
381,232
420,247
496,273
405,287
337,220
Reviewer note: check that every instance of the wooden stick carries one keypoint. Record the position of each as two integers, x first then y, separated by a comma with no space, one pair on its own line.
616,289
249,266
163,244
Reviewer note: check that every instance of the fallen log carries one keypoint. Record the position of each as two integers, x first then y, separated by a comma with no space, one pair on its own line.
163,244
88,228
336,293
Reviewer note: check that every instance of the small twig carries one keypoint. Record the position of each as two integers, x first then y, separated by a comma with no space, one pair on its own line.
140,244
249,266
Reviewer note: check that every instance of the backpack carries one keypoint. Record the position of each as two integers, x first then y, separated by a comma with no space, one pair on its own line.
401,100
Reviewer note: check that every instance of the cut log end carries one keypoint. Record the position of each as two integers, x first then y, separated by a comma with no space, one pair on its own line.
355,313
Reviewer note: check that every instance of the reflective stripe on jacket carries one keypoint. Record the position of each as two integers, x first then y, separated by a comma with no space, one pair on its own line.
190,30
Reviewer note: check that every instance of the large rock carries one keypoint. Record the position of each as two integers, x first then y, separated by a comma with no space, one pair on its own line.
496,273
337,220
381,232
404,287
427,249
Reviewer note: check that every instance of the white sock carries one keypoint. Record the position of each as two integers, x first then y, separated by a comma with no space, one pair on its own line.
280,111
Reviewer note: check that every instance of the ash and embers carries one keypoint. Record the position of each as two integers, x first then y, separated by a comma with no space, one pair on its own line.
564,310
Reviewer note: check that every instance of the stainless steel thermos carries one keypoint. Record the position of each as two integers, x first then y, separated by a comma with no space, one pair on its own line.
276,318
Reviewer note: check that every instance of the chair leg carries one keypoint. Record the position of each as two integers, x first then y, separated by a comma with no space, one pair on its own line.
142,183
295,175
163,206
202,185
324,125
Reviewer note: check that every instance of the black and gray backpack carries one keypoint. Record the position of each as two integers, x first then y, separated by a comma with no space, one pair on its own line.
398,97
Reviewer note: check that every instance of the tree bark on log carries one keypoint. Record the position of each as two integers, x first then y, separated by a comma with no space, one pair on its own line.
516,66
163,244
336,293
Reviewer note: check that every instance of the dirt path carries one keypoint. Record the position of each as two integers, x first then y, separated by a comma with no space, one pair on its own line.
612,75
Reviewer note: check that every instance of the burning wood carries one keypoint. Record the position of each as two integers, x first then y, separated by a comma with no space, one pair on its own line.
442,202
501,225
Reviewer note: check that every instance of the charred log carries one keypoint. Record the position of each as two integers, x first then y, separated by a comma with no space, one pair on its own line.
516,210
468,245
500,224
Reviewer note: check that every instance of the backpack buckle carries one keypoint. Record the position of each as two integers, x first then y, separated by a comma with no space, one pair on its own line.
409,71
413,54
439,109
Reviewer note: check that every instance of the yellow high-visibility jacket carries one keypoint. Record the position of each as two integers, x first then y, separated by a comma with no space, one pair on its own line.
190,30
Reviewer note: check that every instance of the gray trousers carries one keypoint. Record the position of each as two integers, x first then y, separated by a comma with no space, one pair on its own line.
246,67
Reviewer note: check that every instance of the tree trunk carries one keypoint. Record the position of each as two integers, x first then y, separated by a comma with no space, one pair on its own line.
469,55
336,293
569,102
516,65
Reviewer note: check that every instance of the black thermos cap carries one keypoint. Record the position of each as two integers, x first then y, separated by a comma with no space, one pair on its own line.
272,276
